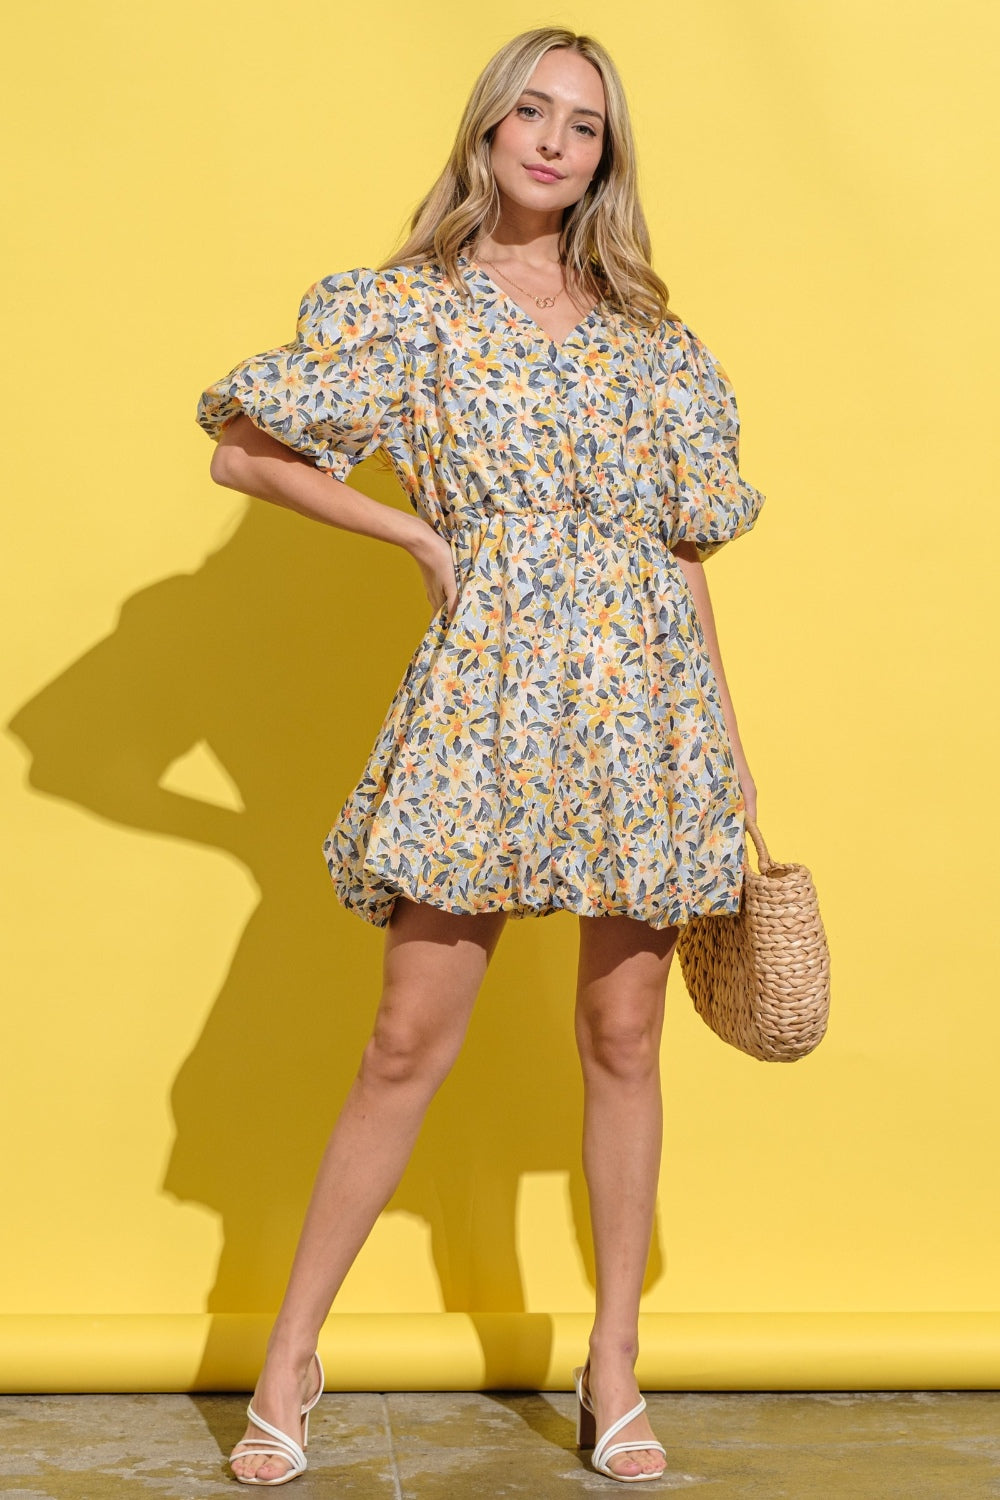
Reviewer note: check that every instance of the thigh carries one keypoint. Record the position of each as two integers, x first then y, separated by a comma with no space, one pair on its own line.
622,962
434,962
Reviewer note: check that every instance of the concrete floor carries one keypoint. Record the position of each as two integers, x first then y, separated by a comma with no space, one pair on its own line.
909,1445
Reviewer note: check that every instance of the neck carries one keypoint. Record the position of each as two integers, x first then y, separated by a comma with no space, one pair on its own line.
523,234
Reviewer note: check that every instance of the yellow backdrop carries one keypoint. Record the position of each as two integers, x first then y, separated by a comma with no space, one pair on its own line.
192,684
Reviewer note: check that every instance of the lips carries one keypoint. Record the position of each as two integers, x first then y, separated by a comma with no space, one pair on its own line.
544,174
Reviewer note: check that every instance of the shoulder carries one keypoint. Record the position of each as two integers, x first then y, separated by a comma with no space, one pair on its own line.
363,303
682,358
674,342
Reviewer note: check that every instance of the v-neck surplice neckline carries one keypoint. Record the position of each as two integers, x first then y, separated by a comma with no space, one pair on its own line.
558,344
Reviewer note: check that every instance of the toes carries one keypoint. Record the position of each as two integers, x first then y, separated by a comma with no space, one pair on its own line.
258,1466
272,1468
652,1461
642,1461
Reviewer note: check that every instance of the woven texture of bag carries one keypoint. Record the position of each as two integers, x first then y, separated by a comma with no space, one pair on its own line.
761,978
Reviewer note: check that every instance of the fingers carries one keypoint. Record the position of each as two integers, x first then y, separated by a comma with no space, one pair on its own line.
440,582
445,596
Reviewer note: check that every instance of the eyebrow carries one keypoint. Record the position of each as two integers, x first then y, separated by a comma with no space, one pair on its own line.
578,109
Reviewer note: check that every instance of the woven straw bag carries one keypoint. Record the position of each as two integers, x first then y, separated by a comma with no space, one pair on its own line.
761,978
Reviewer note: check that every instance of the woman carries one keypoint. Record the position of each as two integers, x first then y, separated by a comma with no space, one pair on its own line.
563,736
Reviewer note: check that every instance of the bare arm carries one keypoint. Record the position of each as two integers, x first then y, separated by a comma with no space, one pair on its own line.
686,554
256,464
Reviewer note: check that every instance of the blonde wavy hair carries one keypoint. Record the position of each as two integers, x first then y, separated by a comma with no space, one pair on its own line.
604,246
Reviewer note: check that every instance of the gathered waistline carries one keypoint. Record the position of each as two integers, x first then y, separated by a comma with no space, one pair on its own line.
642,520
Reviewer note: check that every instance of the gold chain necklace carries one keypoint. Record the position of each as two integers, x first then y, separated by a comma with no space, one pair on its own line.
538,301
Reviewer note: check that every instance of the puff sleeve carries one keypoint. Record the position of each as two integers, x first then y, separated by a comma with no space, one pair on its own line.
335,392
705,498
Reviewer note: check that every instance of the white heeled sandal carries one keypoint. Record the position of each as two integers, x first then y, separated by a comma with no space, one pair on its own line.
278,1444
604,1448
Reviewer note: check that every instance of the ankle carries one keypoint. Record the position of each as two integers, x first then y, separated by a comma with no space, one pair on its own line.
287,1355
611,1347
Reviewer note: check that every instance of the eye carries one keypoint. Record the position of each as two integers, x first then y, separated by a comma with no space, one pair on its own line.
526,109
588,130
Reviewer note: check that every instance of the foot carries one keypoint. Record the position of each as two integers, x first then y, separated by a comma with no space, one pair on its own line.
611,1384
282,1391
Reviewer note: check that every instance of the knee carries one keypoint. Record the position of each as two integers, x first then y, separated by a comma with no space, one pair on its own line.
623,1043
401,1050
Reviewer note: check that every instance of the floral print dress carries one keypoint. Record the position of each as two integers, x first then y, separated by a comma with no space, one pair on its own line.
560,742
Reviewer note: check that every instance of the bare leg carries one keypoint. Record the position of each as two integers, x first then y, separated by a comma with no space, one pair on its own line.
619,1020
434,965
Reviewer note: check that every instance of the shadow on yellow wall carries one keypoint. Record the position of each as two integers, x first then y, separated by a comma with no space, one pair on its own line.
282,658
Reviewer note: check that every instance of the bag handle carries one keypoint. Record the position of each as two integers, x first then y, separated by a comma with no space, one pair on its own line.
764,859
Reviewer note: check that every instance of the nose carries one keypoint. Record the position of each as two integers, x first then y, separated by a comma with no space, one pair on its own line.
550,150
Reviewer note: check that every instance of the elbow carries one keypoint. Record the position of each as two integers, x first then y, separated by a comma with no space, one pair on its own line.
237,454
224,466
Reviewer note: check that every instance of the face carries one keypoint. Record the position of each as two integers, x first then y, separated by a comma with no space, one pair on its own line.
545,152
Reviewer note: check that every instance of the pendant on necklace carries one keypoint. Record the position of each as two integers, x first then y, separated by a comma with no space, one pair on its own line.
545,302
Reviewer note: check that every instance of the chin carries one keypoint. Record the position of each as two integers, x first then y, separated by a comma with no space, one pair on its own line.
537,196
